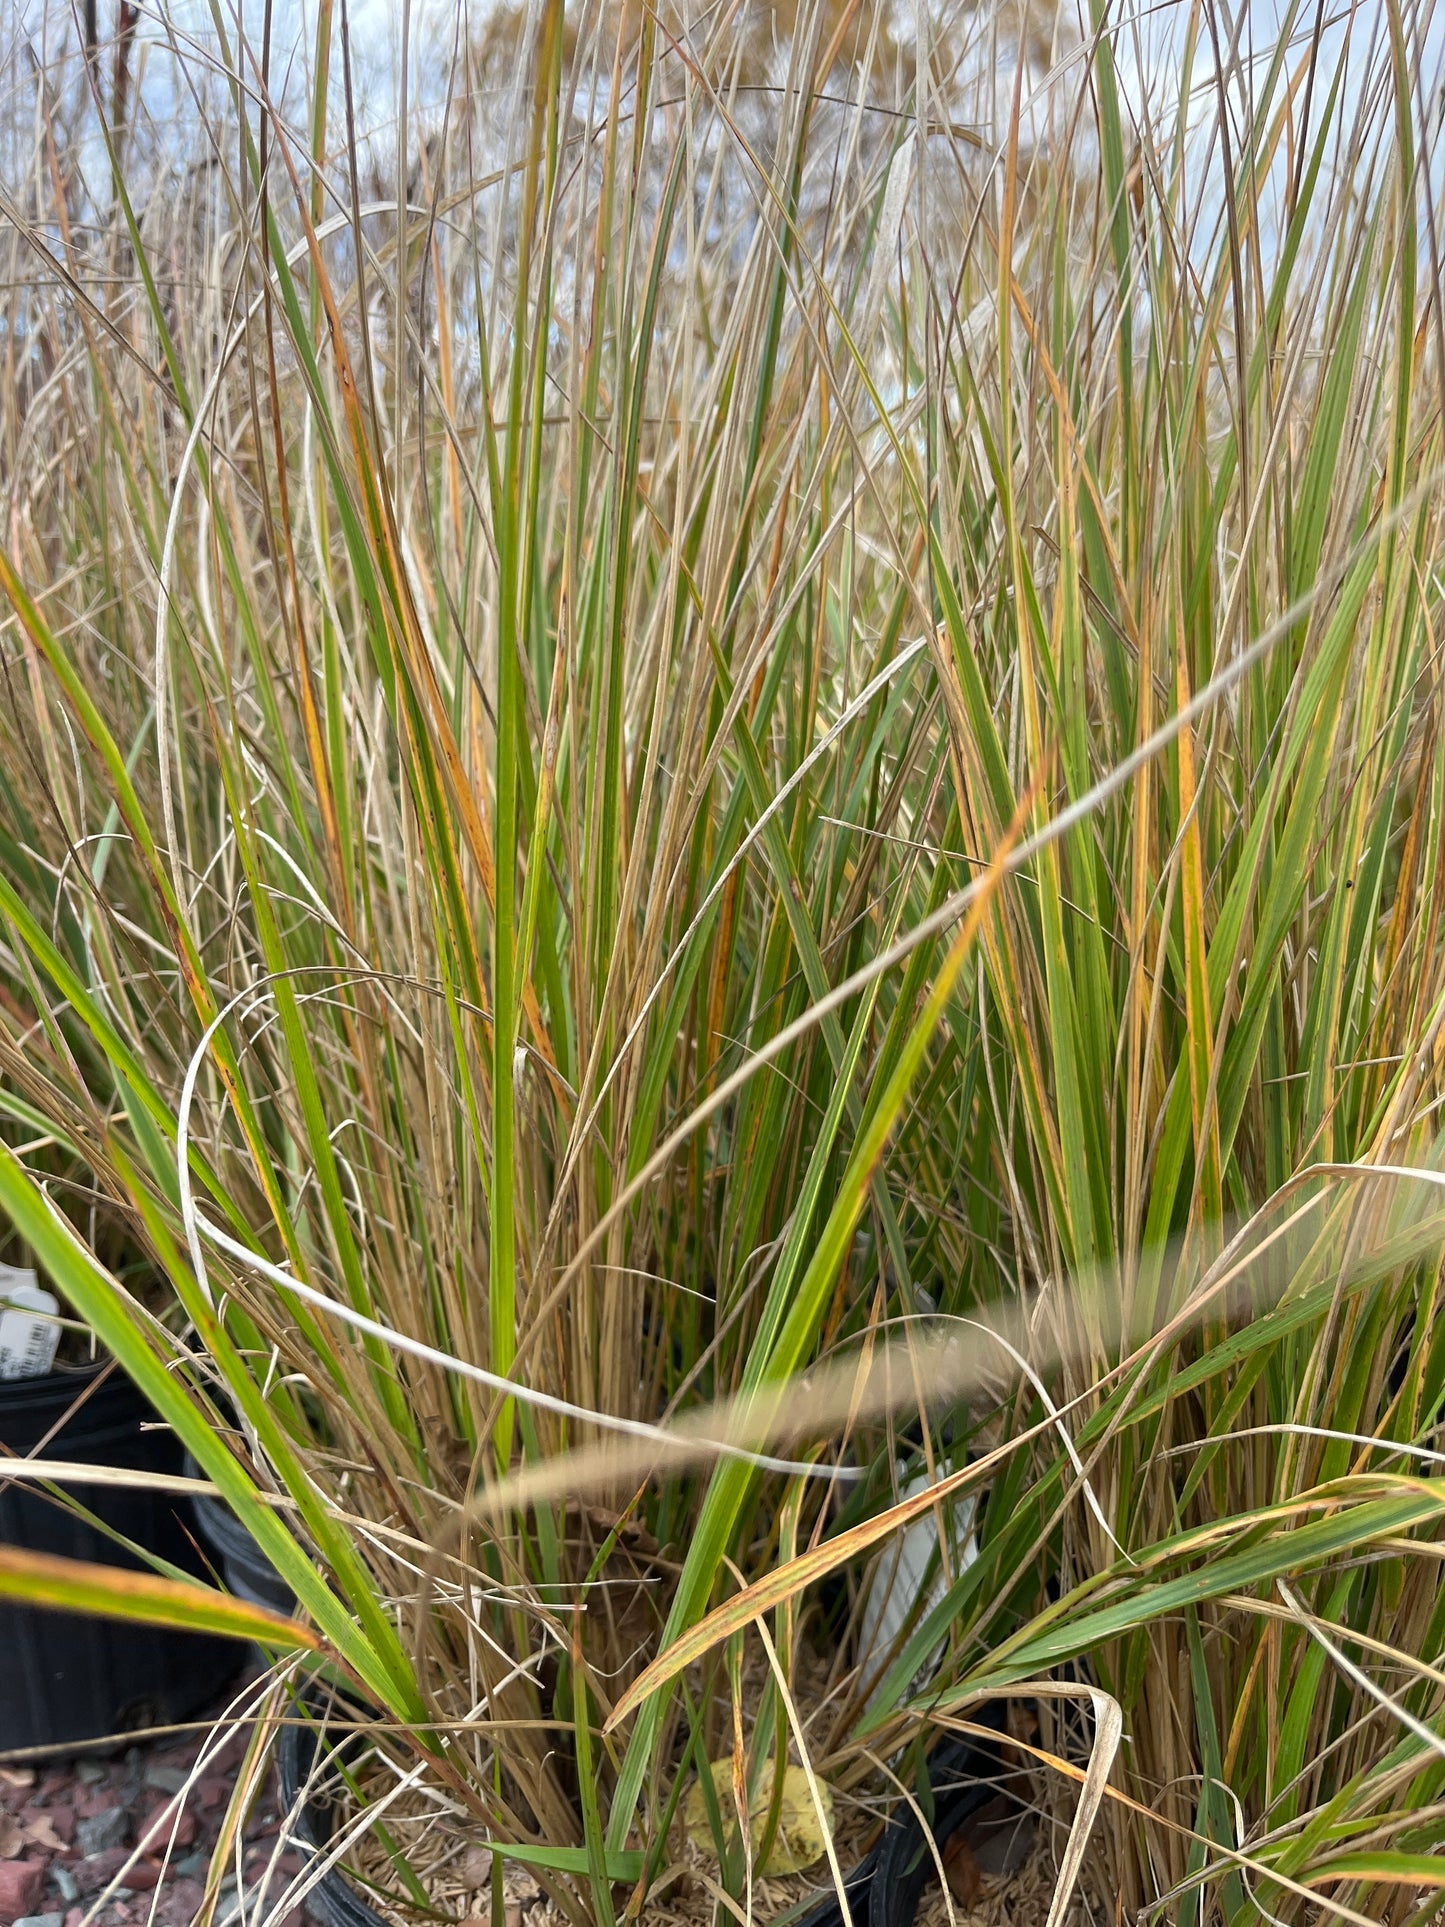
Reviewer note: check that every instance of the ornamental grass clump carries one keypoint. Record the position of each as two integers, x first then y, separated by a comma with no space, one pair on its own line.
719,776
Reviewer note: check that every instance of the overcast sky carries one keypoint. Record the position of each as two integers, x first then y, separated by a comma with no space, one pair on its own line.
1147,41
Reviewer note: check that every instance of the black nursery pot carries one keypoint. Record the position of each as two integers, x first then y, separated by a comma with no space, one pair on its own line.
246,1570
304,1747
64,1677
966,1777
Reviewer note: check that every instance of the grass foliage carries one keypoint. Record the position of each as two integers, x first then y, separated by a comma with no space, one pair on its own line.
746,685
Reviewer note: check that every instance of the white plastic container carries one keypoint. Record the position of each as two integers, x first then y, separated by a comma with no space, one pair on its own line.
29,1325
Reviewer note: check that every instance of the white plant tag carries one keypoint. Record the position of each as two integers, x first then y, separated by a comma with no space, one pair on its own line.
900,1575
29,1333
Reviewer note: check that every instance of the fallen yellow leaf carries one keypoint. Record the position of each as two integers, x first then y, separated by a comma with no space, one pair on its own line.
799,1840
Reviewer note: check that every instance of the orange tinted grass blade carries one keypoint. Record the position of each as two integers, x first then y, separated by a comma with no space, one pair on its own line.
113,1592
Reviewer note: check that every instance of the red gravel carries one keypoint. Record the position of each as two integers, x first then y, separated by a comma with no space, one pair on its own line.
169,1823
97,1870
21,1882
50,1811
